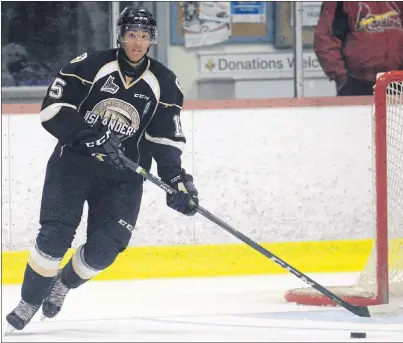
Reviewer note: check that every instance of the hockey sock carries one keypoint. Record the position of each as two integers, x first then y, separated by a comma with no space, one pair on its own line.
39,273
77,271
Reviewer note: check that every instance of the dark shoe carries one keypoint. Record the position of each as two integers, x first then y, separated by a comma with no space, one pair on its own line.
22,315
53,302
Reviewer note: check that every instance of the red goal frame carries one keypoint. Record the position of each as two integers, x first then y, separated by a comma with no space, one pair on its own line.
306,296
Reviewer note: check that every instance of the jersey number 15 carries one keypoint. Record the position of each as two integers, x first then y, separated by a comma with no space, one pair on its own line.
56,88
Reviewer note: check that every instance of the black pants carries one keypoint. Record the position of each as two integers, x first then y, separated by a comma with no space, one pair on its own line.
113,206
356,87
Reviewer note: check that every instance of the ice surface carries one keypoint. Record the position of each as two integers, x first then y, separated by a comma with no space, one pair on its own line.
220,309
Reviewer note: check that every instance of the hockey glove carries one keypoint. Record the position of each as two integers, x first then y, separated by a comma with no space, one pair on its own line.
101,143
186,200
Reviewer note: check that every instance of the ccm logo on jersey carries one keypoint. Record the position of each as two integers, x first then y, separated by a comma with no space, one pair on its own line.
141,96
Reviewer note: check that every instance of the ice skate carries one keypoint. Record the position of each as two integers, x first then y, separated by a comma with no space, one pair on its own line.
21,316
53,302
9,329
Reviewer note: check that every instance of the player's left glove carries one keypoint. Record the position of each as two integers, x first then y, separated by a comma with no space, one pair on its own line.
186,200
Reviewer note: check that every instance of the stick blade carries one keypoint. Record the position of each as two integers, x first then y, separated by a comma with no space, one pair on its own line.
387,310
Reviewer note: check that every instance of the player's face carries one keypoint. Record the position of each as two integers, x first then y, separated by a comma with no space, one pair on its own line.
136,44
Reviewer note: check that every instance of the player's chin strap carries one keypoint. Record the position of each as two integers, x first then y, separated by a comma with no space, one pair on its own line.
361,311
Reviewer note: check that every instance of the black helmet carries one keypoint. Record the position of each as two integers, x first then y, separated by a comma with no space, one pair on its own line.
136,18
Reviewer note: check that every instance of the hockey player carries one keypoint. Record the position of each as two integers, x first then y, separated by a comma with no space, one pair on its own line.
100,103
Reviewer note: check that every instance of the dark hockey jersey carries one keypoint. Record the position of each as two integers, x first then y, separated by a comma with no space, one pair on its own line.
144,114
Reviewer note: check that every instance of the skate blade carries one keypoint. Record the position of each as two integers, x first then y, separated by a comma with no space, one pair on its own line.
9,330
43,317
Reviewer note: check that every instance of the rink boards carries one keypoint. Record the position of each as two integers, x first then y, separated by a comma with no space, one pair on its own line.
216,260
293,172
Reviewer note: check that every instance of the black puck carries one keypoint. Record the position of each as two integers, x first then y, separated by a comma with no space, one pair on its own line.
358,335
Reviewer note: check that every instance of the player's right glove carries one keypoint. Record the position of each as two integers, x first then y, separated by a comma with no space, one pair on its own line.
186,199
101,143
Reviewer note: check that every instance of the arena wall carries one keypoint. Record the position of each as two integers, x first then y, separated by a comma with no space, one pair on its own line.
293,174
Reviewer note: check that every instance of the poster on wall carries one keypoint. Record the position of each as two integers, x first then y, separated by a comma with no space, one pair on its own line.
205,22
248,11
310,13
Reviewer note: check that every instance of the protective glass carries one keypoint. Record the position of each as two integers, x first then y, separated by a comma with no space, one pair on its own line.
137,32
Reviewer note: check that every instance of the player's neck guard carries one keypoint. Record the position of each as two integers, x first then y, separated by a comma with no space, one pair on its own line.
128,67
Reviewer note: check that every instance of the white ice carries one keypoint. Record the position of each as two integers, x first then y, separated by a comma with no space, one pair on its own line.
220,309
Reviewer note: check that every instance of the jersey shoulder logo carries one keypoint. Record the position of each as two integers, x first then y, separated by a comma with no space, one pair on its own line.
110,86
79,58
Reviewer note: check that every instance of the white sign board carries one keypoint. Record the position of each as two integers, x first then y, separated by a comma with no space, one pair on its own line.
257,65
248,11
310,13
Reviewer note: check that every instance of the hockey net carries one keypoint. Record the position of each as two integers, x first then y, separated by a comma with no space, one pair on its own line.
382,276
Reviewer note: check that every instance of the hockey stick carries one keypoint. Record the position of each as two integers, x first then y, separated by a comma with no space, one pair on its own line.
361,311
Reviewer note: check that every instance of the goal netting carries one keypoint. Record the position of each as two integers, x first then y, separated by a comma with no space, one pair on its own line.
382,276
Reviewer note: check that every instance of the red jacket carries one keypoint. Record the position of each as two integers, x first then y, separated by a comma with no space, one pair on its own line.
373,40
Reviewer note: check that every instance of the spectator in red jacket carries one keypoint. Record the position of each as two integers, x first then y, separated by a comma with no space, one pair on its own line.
355,40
